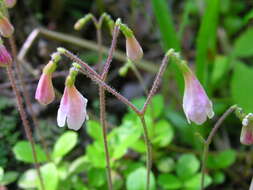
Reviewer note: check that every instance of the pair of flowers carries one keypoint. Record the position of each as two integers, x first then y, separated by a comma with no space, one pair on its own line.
73,105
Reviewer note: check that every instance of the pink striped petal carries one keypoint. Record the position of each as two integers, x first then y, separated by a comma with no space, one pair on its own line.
63,109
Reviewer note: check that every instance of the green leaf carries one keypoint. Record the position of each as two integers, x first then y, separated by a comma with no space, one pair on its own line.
163,134
137,180
23,152
28,179
219,69
96,155
1,173
169,181
50,177
187,166
165,23
221,160
65,144
79,165
9,177
219,177
206,39
166,165
169,36
243,44
94,130
241,86
122,138
195,182
96,177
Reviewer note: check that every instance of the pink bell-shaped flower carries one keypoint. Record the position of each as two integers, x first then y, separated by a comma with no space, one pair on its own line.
5,57
10,3
247,135
196,104
133,49
6,28
247,130
45,91
72,108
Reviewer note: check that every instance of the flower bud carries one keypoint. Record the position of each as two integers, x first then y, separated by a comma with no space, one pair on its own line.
5,58
6,28
10,3
82,21
45,91
133,49
247,134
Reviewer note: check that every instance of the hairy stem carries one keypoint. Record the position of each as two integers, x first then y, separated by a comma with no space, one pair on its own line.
103,104
209,140
149,150
25,123
26,94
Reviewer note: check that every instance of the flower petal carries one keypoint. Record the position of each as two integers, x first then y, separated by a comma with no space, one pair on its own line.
77,109
63,109
45,90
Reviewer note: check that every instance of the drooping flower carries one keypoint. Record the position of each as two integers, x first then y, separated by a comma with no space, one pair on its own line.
133,49
45,91
6,28
5,57
247,130
196,104
10,3
247,135
72,108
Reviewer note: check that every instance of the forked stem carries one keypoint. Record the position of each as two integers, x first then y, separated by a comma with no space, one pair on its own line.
209,140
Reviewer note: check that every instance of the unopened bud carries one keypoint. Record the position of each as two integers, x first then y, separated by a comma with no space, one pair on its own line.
82,21
133,49
247,135
10,3
5,57
6,28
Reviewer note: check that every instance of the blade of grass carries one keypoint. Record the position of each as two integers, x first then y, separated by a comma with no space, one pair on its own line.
206,39
168,35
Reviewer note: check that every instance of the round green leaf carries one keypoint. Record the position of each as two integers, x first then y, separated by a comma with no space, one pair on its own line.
23,152
65,144
242,47
187,166
50,177
195,182
169,181
221,160
137,180
9,177
28,179
94,130
166,165
163,134
219,177
96,177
